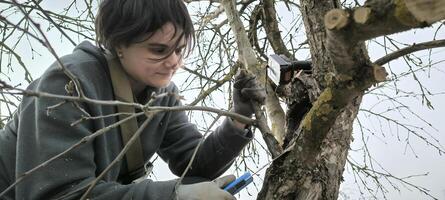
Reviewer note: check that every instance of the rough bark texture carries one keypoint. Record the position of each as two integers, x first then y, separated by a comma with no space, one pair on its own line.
316,34
250,62
321,139
269,17
305,175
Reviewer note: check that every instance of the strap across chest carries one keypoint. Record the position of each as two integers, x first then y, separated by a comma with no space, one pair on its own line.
123,92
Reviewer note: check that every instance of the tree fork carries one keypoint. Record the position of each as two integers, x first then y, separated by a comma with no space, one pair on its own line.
250,63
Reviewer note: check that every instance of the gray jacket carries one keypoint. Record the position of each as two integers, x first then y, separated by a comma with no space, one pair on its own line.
36,134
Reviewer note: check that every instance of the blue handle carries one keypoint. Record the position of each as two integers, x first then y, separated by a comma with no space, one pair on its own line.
240,183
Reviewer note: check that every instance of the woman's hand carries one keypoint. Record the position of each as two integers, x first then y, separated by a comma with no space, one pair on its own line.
207,190
246,90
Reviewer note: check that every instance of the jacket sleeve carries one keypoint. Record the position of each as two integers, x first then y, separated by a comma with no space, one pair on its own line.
214,156
44,133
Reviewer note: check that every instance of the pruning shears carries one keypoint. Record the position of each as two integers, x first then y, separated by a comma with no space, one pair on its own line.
247,178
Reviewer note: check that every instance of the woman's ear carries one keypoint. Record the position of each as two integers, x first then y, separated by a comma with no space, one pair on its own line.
119,52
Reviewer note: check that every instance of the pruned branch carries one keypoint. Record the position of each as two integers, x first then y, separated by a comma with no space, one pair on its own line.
426,11
353,71
347,28
377,18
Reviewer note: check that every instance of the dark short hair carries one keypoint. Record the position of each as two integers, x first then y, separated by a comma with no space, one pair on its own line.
124,22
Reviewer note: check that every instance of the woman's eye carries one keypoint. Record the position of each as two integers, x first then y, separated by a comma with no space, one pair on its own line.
165,51
159,50
179,50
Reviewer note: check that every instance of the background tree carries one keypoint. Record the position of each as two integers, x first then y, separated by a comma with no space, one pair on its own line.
312,135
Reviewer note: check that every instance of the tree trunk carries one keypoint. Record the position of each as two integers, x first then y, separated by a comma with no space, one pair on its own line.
316,176
319,124
320,178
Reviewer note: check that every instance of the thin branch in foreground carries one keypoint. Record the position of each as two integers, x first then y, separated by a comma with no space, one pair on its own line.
240,118
189,165
236,116
85,118
53,22
84,140
47,44
145,108
28,76
5,88
120,155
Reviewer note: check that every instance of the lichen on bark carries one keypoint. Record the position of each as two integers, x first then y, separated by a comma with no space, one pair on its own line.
403,15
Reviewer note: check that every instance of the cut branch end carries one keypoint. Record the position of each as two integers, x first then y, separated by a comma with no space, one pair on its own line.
336,19
379,73
426,11
362,15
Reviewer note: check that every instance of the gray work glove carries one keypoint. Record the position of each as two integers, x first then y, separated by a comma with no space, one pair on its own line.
246,89
206,190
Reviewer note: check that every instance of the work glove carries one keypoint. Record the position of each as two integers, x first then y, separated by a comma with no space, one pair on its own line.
245,90
211,190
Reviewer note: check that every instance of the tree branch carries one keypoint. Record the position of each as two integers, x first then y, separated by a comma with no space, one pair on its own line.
47,44
84,140
121,154
28,76
274,36
347,28
413,48
249,60
53,22
146,108
353,70
189,165
273,33
203,94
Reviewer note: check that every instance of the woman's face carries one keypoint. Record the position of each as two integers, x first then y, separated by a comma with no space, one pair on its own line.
146,62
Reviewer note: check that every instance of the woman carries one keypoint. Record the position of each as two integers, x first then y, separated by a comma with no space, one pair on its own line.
148,38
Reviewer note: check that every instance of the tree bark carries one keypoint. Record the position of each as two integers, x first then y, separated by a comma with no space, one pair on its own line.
306,175
343,71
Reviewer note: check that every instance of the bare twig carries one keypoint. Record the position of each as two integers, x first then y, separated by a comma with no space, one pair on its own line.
84,140
54,23
120,155
47,44
410,49
189,165
376,174
28,76
204,94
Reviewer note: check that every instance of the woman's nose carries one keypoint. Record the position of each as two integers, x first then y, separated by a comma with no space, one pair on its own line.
173,60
